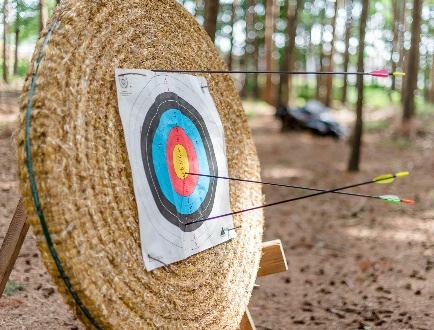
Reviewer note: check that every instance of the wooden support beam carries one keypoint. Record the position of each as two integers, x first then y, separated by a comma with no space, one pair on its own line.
12,244
273,258
247,322
273,261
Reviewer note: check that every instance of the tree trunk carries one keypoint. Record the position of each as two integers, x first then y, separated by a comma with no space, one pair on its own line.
426,74
395,41
250,46
431,88
233,20
319,77
270,15
255,77
349,8
354,162
17,37
413,69
211,11
403,53
291,8
404,61
329,59
5,40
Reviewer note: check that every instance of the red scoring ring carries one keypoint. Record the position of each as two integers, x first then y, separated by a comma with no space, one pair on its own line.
183,187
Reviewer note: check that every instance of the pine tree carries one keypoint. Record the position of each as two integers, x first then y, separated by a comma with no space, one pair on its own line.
211,12
354,162
412,69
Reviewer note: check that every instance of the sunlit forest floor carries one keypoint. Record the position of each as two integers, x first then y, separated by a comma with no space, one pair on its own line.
353,263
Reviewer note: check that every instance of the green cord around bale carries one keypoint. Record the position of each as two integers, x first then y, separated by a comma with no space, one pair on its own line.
33,185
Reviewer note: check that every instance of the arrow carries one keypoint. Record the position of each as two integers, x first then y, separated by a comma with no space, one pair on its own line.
386,178
396,200
384,73
381,73
387,198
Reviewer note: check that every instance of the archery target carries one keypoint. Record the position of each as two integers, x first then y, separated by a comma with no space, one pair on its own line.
175,142
173,132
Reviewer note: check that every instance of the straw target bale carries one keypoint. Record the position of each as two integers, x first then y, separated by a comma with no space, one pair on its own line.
76,176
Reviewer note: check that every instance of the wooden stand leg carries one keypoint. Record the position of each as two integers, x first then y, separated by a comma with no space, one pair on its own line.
273,261
247,322
12,244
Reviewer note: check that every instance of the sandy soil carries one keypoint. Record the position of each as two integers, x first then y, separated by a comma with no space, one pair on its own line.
353,263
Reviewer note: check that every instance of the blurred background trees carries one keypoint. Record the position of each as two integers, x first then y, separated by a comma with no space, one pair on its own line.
22,20
311,35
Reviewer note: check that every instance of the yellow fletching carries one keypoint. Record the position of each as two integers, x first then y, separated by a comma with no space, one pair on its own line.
386,178
389,178
398,74
401,174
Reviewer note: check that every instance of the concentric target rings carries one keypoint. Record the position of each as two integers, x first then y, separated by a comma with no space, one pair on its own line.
174,142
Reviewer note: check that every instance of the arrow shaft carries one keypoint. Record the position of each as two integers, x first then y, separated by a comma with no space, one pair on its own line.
263,72
283,185
284,201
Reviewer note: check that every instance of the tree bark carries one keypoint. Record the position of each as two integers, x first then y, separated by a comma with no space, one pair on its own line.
348,24
256,58
255,77
6,8
17,37
395,41
329,59
413,69
250,46
270,16
211,11
402,63
319,77
354,162
233,19
431,88
426,74
291,8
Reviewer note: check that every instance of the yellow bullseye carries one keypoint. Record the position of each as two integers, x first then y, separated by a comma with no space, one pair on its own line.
180,161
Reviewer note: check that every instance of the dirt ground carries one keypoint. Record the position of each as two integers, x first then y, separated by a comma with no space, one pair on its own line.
353,263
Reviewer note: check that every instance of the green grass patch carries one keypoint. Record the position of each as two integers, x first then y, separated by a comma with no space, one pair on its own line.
12,287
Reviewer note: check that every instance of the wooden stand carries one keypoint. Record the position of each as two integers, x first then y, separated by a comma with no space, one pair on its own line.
273,258
273,261
12,244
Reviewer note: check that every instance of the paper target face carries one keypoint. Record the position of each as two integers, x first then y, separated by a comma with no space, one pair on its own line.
173,133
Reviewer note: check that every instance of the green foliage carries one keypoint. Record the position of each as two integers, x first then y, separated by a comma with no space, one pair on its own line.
306,91
12,287
23,67
28,20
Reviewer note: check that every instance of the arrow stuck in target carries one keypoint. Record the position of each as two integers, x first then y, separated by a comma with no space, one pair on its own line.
380,73
388,178
382,179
